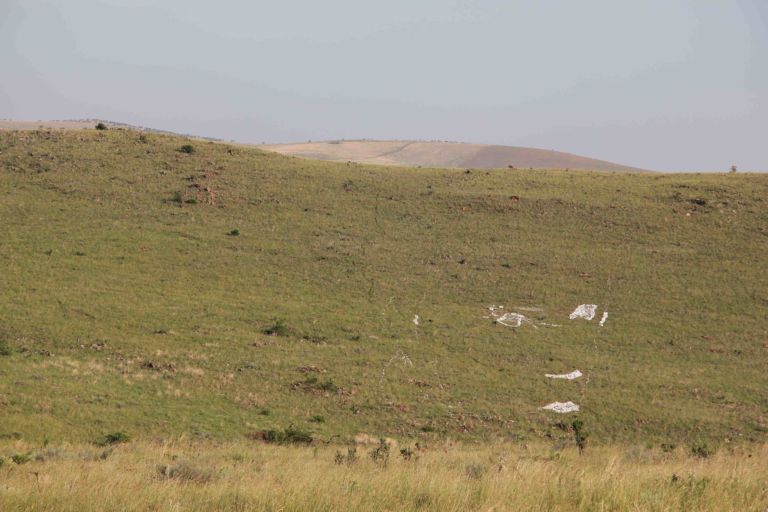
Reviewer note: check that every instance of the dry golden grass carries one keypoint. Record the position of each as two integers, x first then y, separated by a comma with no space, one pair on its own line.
183,475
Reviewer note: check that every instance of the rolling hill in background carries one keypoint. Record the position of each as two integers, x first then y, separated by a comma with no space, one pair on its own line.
400,153
160,285
443,154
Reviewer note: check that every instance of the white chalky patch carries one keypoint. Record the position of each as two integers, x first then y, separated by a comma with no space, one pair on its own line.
568,376
585,311
511,319
605,317
562,407
416,319
508,319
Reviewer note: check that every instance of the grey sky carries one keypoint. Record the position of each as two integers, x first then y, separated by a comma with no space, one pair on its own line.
661,84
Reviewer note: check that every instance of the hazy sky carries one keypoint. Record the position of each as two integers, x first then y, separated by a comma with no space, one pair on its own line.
660,84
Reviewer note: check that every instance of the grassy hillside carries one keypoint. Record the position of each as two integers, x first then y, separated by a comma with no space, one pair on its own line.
139,283
443,154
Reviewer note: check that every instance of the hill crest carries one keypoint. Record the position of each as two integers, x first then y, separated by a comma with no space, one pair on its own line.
444,154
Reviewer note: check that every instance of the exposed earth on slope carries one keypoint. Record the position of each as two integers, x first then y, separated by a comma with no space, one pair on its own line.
443,154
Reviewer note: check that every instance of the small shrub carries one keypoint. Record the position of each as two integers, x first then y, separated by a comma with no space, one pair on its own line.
143,138
114,438
350,459
177,197
21,458
265,412
278,328
421,500
101,126
406,453
191,201
380,454
668,447
317,418
314,384
476,471
187,148
702,450
234,232
580,435
2,461
318,339
186,472
328,385
5,347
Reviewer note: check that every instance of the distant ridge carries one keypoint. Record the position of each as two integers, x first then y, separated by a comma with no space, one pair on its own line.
84,124
444,154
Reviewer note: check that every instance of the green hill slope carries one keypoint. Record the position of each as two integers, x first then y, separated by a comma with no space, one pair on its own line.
129,302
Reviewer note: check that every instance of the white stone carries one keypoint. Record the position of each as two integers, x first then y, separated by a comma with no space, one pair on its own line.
567,376
562,407
585,311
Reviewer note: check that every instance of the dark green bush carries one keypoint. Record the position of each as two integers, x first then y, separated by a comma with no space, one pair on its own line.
114,438
21,458
702,449
187,148
101,126
290,435
278,328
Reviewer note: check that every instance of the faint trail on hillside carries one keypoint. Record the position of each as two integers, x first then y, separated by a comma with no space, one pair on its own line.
398,150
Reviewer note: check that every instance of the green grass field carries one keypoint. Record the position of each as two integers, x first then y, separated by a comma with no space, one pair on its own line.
138,283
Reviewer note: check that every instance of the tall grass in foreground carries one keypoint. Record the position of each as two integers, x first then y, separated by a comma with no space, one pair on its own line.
247,476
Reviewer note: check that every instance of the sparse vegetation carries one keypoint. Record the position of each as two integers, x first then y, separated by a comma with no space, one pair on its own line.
187,148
